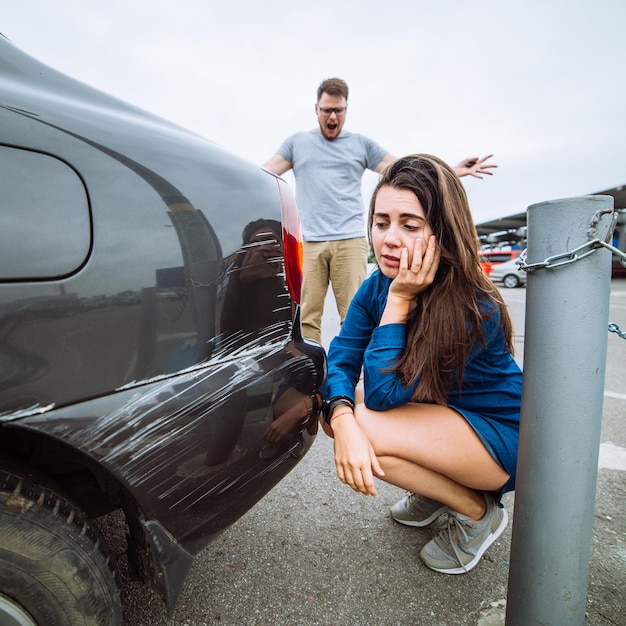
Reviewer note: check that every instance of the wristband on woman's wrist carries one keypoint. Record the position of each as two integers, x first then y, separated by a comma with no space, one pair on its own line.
337,414
332,403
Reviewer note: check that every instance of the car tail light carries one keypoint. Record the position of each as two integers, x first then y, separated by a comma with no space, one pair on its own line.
292,240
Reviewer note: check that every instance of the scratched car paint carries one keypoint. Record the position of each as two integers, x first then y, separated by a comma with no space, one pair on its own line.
151,358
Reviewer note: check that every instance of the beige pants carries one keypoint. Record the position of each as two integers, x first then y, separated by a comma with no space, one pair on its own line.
343,263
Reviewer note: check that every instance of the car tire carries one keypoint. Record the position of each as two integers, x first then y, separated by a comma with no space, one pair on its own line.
511,281
54,568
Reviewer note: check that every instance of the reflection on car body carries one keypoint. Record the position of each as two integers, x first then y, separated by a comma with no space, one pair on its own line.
149,337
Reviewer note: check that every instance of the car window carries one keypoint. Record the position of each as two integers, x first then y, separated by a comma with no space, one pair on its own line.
45,226
499,258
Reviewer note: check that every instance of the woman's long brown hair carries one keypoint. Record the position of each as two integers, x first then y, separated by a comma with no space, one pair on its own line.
446,321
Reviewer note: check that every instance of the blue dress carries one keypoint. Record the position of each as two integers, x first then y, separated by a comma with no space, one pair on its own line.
491,392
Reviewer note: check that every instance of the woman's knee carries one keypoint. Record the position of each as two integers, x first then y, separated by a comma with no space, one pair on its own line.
362,414
370,422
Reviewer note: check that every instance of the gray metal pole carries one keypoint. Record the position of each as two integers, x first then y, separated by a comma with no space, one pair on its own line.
567,311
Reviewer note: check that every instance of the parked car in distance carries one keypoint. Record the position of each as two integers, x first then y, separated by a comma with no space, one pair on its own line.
490,258
509,274
151,357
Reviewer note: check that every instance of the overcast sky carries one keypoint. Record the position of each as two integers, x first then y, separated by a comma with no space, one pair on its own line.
539,83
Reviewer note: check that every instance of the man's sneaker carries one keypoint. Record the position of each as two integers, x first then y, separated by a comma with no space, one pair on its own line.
458,548
417,510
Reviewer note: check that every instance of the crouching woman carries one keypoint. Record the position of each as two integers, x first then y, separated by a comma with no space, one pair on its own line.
438,411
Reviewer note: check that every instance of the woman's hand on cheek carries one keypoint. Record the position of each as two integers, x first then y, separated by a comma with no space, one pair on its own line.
430,261
419,274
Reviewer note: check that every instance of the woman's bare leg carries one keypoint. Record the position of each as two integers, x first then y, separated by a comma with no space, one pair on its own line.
432,450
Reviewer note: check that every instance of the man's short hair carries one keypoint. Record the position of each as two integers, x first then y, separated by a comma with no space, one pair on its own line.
333,87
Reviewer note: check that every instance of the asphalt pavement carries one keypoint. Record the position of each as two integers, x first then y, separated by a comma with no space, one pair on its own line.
313,553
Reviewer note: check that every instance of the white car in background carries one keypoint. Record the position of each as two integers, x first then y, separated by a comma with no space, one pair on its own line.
509,274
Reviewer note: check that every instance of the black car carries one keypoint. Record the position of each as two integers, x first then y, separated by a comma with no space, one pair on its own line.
151,358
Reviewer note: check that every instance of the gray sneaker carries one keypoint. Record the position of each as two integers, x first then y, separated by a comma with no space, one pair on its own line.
458,548
417,510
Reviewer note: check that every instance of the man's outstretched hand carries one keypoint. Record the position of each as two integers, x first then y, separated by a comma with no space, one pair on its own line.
474,166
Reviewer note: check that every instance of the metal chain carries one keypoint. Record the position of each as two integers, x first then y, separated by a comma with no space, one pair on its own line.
581,252
614,328
588,247
565,258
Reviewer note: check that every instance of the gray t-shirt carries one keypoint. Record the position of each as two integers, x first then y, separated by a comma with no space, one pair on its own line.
328,181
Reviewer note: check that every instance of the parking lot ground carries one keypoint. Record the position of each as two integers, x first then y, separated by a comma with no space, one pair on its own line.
313,553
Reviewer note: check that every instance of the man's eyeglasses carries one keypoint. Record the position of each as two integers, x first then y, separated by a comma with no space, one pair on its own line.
338,111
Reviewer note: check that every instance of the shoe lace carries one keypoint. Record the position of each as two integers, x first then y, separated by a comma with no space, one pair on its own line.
454,534
415,504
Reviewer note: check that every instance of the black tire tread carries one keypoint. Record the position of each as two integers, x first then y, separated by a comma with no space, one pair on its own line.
43,505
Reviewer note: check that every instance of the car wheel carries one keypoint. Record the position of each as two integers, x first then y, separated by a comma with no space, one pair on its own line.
511,281
54,568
